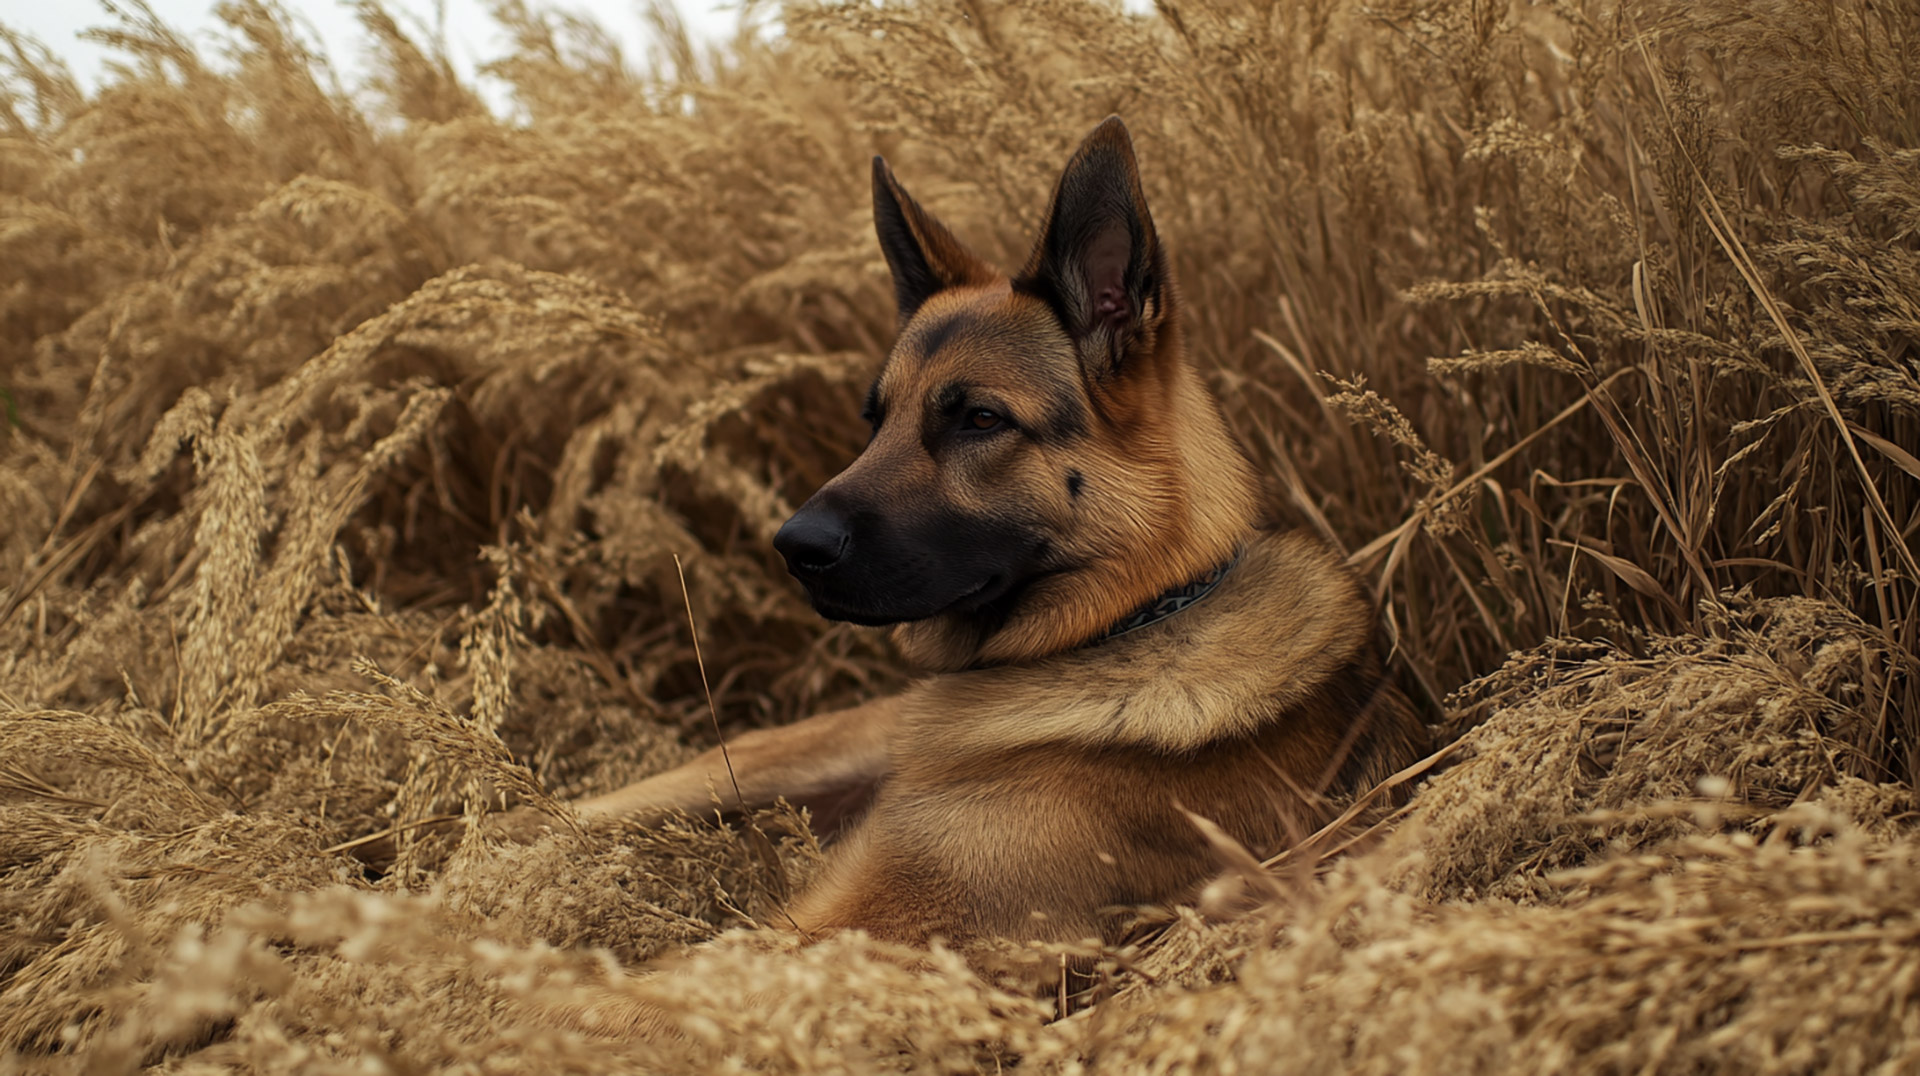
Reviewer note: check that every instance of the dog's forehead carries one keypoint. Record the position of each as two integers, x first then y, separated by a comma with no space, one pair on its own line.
992,337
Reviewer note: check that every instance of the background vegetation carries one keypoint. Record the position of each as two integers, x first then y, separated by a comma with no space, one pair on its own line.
349,439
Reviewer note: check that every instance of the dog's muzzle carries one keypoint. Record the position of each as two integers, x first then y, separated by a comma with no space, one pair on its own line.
874,566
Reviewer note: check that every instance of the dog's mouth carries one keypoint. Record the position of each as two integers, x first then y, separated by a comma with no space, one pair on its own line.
986,593
861,617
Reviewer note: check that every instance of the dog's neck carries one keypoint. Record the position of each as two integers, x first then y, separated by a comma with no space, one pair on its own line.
1209,509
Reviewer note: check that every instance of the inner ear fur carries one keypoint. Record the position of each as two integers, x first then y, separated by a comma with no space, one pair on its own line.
923,255
1098,262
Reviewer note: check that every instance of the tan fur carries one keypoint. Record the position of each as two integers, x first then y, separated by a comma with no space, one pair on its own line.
1035,779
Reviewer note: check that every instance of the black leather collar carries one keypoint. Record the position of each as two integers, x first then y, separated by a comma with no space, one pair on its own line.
1171,601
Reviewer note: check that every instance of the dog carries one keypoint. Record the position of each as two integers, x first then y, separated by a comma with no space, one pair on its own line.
1065,535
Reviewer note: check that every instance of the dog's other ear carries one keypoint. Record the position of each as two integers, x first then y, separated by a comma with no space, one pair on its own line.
1099,263
924,256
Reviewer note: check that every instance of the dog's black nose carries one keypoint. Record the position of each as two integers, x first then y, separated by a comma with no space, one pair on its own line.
813,540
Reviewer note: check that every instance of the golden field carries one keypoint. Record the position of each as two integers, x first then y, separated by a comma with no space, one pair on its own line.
350,437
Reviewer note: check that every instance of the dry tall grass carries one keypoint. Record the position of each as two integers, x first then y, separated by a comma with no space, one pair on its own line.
349,439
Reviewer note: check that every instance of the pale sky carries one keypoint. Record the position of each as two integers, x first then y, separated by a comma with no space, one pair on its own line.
472,37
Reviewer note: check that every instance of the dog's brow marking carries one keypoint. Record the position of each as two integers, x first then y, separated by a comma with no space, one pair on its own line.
939,334
1074,482
949,398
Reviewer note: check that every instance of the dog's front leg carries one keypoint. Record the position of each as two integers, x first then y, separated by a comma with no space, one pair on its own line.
828,763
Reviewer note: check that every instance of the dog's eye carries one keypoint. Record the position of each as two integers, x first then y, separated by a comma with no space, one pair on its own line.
982,419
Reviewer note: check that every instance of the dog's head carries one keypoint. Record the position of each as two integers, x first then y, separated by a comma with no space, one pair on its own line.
1044,458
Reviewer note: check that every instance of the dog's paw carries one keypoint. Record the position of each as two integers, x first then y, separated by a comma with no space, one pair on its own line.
616,1016
522,825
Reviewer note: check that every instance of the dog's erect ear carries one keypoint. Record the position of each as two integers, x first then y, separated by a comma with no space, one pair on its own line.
1099,263
924,256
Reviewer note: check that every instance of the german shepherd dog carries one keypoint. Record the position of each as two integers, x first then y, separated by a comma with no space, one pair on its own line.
1067,538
